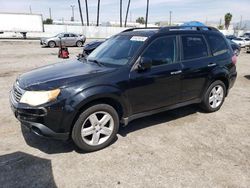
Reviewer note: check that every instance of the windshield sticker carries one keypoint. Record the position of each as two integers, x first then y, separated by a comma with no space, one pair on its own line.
138,38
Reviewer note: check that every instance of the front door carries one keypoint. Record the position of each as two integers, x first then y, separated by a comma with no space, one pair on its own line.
159,86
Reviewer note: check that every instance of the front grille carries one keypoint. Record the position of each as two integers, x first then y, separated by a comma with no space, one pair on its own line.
17,93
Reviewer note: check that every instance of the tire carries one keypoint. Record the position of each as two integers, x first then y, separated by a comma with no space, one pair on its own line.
87,128
52,44
237,52
213,99
79,43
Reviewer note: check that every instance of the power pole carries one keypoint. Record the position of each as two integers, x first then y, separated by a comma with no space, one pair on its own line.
240,22
72,18
127,13
30,10
98,11
87,12
146,22
50,14
170,18
80,10
120,13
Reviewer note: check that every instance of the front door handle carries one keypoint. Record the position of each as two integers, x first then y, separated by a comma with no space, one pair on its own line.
211,64
176,72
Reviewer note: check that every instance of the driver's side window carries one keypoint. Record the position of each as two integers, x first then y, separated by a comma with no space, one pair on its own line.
162,51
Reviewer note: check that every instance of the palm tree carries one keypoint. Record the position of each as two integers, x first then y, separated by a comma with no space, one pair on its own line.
120,13
127,13
228,18
80,10
98,12
146,23
87,11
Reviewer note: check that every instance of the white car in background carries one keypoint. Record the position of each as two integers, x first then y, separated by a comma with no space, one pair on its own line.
247,40
240,41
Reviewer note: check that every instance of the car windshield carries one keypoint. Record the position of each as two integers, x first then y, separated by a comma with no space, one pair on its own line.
117,50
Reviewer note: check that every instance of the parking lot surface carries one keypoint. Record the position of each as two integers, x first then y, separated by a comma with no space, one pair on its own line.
180,148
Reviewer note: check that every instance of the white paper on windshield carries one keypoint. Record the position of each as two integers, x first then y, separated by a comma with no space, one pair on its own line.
138,38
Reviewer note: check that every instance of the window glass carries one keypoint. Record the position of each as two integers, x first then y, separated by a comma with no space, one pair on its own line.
117,50
217,45
66,35
162,51
194,47
72,35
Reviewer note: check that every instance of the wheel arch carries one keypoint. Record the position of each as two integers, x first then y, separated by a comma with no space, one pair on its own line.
92,96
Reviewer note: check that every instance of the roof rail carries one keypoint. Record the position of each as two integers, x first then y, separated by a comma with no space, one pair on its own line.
190,27
139,28
173,28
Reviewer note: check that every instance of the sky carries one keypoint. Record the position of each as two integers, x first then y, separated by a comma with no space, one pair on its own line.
182,10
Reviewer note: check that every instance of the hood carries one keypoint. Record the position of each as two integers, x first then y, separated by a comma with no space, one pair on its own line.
60,74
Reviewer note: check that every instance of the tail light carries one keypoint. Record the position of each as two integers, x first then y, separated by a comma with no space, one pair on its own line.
234,59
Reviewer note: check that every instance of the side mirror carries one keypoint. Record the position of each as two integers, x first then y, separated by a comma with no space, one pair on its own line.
145,63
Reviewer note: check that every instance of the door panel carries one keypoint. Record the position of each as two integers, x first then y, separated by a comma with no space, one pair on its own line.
197,63
155,88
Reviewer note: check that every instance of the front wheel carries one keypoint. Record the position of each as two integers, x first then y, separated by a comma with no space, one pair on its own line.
214,96
96,127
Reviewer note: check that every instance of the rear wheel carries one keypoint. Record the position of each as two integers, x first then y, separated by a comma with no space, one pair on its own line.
96,127
214,96
52,44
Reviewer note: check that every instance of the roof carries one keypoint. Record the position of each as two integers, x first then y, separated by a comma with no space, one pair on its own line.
141,32
154,30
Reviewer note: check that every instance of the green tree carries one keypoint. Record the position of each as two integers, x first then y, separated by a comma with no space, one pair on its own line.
140,20
228,18
220,27
48,21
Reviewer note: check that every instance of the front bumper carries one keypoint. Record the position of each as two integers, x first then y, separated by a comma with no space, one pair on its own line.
40,120
43,43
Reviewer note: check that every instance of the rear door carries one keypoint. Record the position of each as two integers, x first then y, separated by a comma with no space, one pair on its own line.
197,62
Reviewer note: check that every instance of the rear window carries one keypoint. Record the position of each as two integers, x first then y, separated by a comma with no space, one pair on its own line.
217,44
194,47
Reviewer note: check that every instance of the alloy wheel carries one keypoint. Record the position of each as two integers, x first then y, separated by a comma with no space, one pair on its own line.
216,96
97,128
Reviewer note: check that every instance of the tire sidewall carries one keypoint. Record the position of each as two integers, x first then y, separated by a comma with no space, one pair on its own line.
79,42
76,131
206,104
52,42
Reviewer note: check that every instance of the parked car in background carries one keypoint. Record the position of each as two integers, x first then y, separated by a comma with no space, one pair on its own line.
241,42
231,37
246,35
236,48
247,40
88,48
67,39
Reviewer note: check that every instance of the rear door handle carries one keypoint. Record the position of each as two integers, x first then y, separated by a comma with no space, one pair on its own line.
211,64
176,72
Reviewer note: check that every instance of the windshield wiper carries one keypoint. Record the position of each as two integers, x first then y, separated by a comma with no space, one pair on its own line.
95,61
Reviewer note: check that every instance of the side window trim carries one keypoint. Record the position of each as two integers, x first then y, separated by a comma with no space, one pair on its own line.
209,53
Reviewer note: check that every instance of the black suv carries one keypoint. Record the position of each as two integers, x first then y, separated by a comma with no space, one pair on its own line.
133,74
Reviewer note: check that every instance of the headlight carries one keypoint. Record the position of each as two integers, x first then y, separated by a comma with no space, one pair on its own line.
35,98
